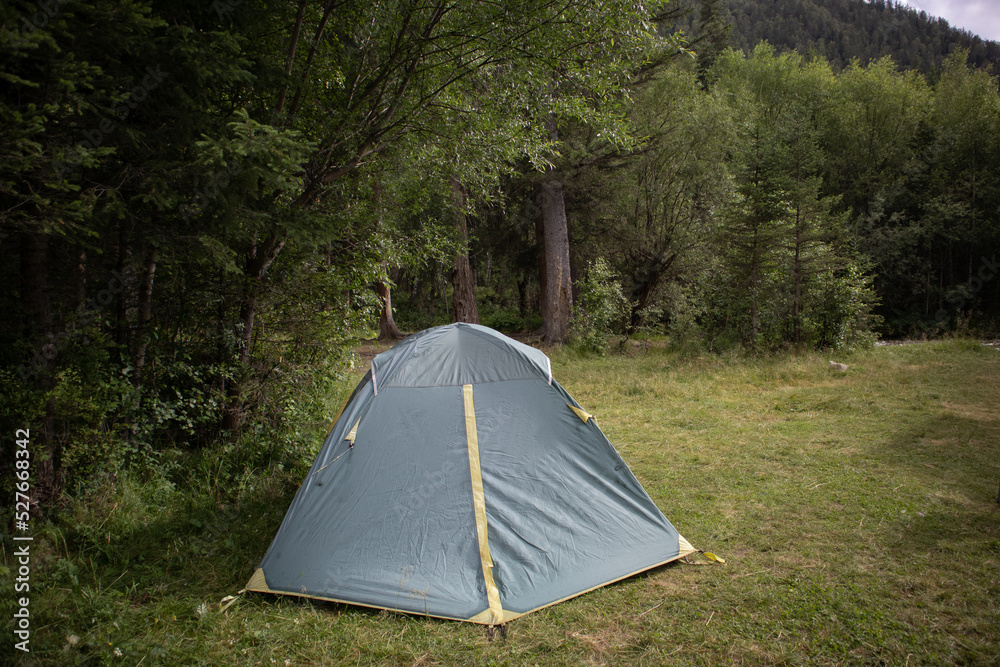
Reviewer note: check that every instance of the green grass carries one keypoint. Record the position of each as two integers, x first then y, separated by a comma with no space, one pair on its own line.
856,512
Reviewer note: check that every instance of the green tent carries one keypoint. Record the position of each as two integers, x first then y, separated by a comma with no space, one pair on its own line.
461,481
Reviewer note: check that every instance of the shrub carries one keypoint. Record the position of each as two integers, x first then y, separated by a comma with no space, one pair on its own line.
602,306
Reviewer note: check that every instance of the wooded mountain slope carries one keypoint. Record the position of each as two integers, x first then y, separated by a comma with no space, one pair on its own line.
842,30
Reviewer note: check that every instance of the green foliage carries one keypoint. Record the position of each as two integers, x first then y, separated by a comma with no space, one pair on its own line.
687,307
900,126
654,212
247,186
601,309
871,129
845,317
495,314
780,236
730,190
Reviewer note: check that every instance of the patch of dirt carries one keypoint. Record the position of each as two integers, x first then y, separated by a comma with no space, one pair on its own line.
596,643
367,351
674,585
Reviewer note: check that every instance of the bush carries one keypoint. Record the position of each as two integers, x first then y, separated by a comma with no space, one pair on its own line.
507,320
846,319
601,309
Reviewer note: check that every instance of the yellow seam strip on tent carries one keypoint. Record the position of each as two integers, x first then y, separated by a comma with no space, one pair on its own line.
479,503
354,432
581,413
485,617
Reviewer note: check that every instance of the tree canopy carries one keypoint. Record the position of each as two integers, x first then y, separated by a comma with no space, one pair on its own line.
203,207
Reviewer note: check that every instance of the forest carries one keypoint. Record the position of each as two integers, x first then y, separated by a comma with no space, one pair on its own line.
205,206
842,30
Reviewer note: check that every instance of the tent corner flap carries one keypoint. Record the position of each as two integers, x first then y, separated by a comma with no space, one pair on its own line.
684,547
258,583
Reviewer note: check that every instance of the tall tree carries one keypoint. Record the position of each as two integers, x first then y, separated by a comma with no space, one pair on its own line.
464,295
783,236
650,207
615,42
557,292
959,191
871,135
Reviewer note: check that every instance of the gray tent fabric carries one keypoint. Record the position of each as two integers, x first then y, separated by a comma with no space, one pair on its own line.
461,481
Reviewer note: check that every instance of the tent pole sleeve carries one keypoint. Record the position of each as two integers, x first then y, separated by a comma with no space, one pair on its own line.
479,504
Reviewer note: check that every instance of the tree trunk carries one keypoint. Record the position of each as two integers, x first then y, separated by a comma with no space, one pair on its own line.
387,329
145,314
543,306
558,294
557,284
293,44
121,305
38,330
522,296
754,286
248,317
34,293
259,260
464,299
260,256
797,273
643,295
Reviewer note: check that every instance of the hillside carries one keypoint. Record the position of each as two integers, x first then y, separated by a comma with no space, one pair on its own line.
841,30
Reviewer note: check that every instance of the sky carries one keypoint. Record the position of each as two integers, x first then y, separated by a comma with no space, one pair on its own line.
981,17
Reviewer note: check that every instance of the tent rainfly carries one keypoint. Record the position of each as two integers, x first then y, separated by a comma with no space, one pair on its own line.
461,481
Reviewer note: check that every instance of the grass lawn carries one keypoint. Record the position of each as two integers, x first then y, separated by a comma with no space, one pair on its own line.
856,513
